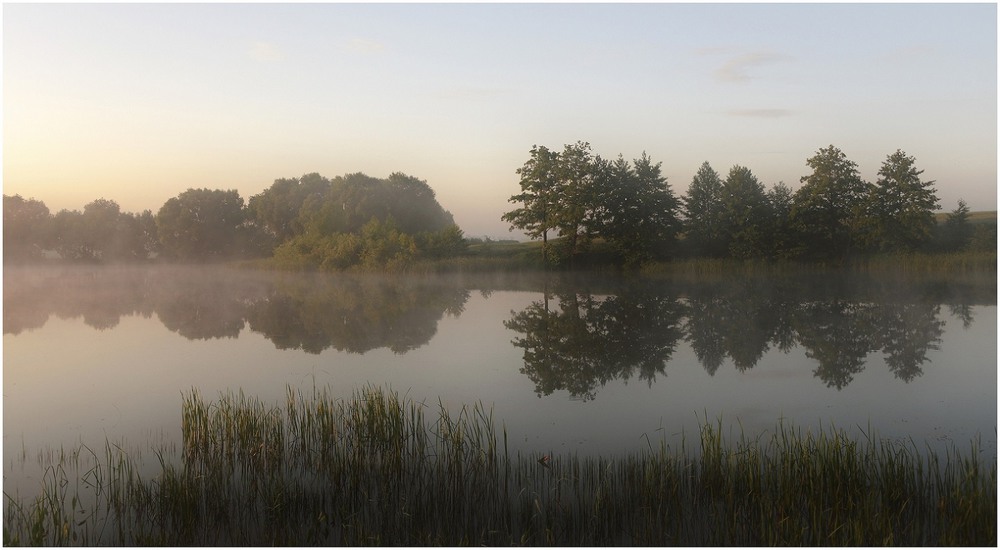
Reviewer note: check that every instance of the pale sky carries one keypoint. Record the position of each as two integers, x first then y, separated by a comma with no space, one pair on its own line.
139,102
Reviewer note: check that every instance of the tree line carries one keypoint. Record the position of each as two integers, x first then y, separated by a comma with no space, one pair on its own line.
580,196
314,222
310,221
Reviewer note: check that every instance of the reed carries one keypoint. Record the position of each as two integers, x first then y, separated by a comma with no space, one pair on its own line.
381,469
953,262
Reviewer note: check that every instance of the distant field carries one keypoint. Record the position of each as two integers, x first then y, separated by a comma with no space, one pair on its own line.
986,216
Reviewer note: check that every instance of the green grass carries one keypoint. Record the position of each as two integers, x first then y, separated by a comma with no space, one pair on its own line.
380,469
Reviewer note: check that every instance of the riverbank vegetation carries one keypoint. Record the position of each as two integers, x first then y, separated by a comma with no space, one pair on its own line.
380,469
588,212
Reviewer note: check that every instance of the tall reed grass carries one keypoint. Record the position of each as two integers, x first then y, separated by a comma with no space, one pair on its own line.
380,469
954,262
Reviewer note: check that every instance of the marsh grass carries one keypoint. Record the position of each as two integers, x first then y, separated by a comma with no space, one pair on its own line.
380,469
953,262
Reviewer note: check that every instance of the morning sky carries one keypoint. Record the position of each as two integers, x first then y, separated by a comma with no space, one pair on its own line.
139,102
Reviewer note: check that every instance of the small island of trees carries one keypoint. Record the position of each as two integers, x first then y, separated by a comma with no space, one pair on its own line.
579,204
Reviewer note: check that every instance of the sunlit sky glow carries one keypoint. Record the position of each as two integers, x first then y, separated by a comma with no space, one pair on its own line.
139,102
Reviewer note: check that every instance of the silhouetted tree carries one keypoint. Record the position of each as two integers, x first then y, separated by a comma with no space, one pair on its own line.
575,215
829,208
900,216
957,230
703,213
745,214
25,228
539,177
636,210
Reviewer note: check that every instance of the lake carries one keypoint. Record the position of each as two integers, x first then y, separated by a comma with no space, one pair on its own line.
569,363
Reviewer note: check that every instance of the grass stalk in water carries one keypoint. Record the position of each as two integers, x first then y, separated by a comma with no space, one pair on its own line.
379,469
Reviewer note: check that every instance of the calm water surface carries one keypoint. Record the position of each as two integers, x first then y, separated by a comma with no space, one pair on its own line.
567,363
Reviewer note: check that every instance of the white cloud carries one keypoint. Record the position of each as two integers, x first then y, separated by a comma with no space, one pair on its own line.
264,52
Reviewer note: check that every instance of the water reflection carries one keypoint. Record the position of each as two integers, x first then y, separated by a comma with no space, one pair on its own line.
308,313
579,342
354,315
588,341
576,337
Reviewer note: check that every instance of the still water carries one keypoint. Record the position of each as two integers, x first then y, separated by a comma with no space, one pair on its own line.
568,363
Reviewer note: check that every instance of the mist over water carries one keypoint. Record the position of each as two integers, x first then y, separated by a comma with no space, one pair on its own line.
569,363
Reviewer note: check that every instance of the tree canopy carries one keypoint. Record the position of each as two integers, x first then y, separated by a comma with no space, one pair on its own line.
833,215
573,194
307,222
583,196
828,209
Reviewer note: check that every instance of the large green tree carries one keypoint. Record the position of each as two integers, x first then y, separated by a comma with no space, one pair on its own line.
538,196
203,224
575,217
745,214
829,209
374,222
636,210
413,205
901,212
276,209
353,200
703,214
582,196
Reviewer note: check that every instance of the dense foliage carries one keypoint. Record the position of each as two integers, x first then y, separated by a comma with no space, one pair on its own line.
308,222
834,215
575,196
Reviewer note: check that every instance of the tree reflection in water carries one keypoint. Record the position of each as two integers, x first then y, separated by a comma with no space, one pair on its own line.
573,339
585,341
353,314
294,311
589,341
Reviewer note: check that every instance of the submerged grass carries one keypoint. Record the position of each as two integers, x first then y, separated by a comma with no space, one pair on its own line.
378,470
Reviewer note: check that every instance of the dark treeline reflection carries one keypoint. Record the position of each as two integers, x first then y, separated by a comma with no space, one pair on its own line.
578,342
354,315
582,333
294,311
582,341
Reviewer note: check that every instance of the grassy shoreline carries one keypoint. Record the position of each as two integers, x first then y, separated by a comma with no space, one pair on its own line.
380,469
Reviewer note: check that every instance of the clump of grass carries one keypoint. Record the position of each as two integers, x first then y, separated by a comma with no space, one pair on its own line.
380,469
